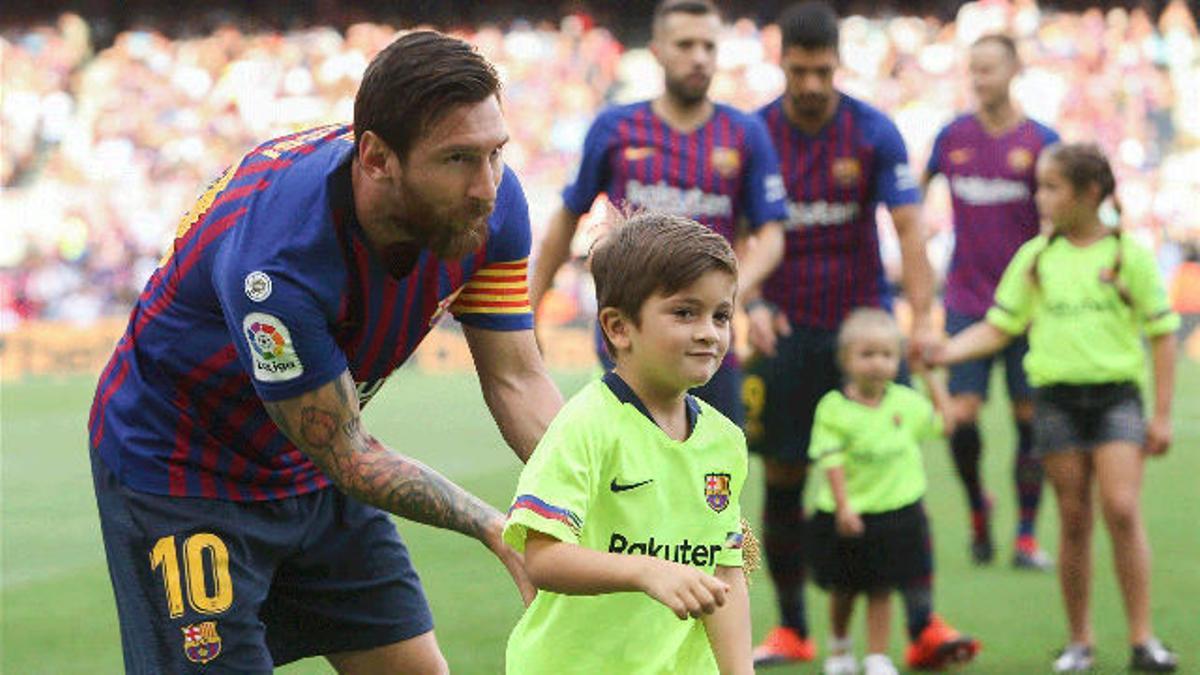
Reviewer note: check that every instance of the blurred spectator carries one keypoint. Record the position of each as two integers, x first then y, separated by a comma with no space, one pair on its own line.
103,152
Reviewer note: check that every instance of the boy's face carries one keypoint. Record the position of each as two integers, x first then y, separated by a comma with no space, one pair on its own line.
682,338
872,359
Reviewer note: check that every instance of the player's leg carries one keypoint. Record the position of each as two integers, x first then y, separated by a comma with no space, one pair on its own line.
189,576
968,385
352,595
781,395
1119,468
1028,474
417,655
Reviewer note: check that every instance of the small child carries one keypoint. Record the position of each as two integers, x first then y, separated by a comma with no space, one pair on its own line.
1087,294
628,511
869,534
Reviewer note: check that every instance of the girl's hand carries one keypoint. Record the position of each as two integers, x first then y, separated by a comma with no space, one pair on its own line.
1158,436
849,523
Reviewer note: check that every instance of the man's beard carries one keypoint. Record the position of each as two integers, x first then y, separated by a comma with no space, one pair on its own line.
687,94
448,236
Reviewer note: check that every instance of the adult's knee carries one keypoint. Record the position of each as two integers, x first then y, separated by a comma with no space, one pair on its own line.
779,474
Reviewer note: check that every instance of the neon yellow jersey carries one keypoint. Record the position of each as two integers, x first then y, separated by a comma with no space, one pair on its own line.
879,448
606,477
1080,331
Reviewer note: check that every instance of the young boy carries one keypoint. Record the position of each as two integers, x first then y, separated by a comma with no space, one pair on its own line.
628,510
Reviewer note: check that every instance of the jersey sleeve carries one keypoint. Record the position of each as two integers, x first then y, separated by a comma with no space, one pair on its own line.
1012,308
731,553
593,175
827,446
931,424
556,486
279,301
497,296
894,182
1150,300
763,193
1049,136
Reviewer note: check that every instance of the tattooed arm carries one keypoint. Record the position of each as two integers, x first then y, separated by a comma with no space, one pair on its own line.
325,424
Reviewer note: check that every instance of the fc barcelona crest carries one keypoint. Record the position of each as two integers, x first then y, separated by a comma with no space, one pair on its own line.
1020,159
201,643
846,170
716,491
726,161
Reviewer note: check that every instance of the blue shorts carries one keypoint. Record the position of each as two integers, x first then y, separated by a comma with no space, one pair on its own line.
213,586
972,377
723,391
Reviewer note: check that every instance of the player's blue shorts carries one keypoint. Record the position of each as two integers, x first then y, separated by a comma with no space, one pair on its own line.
213,586
781,392
972,377
723,391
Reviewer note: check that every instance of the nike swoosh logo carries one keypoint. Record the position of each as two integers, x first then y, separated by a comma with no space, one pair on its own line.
617,487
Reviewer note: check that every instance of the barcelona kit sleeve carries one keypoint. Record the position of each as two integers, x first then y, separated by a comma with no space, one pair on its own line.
278,296
828,443
497,296
556,486
1013,306
893,178
764,195
593,174
1150,301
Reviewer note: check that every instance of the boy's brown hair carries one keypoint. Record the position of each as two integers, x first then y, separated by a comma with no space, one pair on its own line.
647,253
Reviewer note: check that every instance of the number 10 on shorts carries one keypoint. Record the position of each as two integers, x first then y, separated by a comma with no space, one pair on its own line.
206,568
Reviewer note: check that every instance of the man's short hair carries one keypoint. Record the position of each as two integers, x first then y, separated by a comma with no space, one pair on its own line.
809,25
693,7
415,80
650,253
1006,43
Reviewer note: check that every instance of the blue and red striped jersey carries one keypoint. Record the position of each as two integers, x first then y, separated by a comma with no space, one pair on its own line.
992,180
835,179
724,171
270,291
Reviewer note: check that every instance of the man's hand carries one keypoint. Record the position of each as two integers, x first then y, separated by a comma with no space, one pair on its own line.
766,325
685,590
514,562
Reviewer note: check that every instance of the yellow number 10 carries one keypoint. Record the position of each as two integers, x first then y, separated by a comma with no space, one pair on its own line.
198,582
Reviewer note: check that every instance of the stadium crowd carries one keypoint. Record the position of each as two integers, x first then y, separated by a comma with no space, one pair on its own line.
104,150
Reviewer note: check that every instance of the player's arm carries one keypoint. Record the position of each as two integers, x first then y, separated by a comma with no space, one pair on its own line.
562,567
516,387
758,257
939,395
325,424
728,627
916,274
553,252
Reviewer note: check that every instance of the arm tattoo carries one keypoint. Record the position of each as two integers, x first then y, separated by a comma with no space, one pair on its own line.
327,427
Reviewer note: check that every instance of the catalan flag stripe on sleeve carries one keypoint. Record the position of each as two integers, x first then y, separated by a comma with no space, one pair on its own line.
548,511
497,288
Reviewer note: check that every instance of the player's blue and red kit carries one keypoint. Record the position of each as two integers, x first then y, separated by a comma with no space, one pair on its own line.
835,179
271,291
992,180
720,174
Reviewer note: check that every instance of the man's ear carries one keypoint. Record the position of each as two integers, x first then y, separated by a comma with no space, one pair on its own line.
375,157
616,327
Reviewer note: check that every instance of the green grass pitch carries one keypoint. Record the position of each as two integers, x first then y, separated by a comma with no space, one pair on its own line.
58,615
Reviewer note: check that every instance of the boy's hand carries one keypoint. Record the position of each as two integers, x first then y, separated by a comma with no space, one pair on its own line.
685,590
849,523
1158,436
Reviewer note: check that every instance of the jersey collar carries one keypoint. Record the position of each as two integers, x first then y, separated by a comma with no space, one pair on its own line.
625,394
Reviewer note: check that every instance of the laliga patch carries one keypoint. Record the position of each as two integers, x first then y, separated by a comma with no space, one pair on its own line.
274,356
716,491
201,643
258,286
